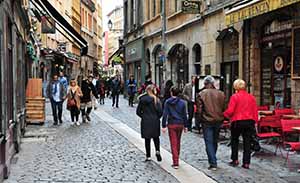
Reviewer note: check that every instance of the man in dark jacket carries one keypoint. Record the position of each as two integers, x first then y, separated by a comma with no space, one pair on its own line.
189,93
210,107
175,118
87,89
115,89
147,83
56,92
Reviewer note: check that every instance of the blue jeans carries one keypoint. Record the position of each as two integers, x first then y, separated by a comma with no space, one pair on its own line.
211,136
56,110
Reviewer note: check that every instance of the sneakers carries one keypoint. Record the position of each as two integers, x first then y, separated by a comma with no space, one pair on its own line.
158,156
78,123
212,167
147,159
175,167
234,163
246,166
72,123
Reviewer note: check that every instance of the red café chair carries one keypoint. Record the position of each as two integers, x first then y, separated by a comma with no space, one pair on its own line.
287,128
270,122
263,108
281,112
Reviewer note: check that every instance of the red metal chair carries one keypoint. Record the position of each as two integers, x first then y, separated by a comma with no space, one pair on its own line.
270,122
263,108
287,128
281,112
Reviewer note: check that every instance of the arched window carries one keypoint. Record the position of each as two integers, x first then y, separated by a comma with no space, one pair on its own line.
197,58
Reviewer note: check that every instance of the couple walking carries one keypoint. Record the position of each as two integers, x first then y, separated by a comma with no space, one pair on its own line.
174,119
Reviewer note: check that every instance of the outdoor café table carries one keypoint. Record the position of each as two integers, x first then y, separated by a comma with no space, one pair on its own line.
291,116
265,113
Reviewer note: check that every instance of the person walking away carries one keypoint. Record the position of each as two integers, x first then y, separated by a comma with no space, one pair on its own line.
131,89
149,109
100,86
95,81
63,80
73,104
189,93
88,89
56,92
242,112
175,119
148,81
210,108
115,89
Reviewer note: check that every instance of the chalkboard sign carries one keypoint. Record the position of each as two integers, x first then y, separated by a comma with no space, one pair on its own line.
266,86
296,54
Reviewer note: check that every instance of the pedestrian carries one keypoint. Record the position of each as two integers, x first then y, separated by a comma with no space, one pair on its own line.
63,80
73,104
115,89
210,108
100,86
131,89
242,112
94,101
88,90
167,90
175,119
149,109
148,81
56,92
189,93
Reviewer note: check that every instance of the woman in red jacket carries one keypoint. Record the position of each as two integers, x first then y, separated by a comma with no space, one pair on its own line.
242,112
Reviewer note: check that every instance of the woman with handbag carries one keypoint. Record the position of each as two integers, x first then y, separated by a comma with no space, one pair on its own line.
150,110
242,112
73,103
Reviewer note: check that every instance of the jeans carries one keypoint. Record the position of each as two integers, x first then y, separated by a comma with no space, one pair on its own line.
244,128
74,113
131,98
191,113
175,132
148,146
56,110
115,99
211,136
88,106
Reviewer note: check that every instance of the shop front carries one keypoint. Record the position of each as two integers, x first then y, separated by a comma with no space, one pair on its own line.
134,63
270,51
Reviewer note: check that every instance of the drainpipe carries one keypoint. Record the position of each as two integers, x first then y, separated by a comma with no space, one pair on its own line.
163,35
249,55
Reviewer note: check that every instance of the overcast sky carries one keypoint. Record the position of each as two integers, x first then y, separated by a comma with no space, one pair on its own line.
107,6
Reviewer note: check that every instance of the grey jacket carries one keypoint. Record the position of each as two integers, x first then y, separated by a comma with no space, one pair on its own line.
188,92
63,92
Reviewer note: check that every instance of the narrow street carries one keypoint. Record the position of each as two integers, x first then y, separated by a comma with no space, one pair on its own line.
98,152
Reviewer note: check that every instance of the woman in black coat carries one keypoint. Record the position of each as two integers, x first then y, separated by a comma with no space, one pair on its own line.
150,110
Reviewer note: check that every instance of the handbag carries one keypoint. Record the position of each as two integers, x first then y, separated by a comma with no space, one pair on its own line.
255,146
71,102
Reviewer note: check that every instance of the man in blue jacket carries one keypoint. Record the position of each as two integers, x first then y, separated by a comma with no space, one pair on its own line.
175,118
131,89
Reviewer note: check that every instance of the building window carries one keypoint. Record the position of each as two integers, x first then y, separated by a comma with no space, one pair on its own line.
160,6
197,54
148,10
90,22
207,69
82,17
131,13
178,5
126,16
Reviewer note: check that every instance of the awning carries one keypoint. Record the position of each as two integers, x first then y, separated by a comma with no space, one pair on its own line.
59,19
225,32
117,56
247,9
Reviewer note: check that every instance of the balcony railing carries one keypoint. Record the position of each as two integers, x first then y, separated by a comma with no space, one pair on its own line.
90,4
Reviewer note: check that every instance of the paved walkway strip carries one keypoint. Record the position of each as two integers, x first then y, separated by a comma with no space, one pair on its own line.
185,174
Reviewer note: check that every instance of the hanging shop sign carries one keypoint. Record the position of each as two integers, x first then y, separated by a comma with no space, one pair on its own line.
134,51
278,64
254,8
191,7
48,25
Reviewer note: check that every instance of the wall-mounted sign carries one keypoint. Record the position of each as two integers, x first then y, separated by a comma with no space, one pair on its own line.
192,7
278,64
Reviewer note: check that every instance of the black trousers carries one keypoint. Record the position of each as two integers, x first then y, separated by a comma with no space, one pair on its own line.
56,110
131,98
148,145
115,99
191,113
244,128
74,113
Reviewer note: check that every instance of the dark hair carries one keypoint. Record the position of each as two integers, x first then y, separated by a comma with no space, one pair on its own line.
148,77
175,91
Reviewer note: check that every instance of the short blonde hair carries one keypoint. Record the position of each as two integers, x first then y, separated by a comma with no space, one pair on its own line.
239,84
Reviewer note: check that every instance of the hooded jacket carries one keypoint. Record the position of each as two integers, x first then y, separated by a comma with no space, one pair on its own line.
175,112
150,112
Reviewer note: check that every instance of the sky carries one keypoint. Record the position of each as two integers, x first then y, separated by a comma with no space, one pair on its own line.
107,6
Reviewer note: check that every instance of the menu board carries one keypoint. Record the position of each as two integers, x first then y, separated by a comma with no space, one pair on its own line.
266,86
296,53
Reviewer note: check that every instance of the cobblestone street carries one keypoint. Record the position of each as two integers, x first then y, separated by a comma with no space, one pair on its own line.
264,168
90,153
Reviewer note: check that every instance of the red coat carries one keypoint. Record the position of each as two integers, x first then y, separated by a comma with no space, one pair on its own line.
242,106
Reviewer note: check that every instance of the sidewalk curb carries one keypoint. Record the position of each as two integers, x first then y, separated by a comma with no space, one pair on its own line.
185,174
